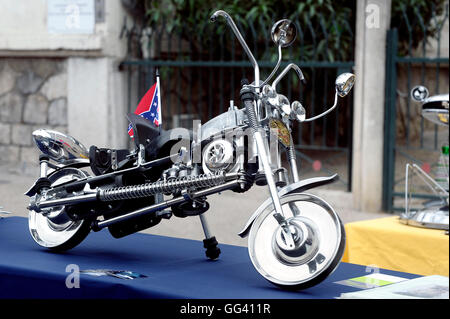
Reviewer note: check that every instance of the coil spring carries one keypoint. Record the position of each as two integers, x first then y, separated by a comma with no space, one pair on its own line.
251,115
149,189
291,152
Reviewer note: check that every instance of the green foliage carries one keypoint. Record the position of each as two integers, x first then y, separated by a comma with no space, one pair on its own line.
417,22
322,37
326,26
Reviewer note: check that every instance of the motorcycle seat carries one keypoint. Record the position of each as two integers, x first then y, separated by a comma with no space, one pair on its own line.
157,141
144,131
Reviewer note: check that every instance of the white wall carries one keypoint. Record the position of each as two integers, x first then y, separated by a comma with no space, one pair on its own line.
96,102
23,27
95,88
368,117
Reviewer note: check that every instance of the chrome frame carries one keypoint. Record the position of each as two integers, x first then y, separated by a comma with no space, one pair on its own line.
166,204
257,135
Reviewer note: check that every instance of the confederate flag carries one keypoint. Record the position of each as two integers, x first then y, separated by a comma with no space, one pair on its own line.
149,107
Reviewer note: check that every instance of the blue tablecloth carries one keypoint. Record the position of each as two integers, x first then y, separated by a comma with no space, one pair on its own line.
175,268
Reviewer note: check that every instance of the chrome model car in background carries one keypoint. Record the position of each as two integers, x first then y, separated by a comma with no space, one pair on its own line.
433,214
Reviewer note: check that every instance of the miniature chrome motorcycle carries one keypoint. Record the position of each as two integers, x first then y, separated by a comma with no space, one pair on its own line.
295,239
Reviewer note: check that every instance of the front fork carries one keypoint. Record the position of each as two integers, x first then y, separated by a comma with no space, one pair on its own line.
249,101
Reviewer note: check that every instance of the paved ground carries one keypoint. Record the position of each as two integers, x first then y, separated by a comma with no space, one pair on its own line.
227,216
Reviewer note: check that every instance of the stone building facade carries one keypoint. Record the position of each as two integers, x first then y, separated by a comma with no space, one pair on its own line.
33,94
65,80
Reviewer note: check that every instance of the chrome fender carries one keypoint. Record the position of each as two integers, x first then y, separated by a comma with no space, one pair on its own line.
297,187
60,147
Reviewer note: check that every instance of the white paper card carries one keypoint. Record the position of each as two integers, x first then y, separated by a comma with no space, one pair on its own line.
429,287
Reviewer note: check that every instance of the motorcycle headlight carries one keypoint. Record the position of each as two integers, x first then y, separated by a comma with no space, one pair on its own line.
268,92
298,111
284,105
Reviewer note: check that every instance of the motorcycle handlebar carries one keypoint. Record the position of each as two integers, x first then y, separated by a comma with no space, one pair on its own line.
238,35
257,86
286,70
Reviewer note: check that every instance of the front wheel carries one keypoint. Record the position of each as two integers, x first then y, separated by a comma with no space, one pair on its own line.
319,242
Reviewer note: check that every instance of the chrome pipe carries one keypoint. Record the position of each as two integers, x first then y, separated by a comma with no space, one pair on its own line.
241,40
294,169
286,70
293,160
275,69
326,112
268,171
67,201
264,157
99,194
256,86
216,189
43,169
165,204
140,212
205,226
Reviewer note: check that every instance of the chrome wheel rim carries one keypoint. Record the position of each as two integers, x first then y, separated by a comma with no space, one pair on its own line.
55,228
307,260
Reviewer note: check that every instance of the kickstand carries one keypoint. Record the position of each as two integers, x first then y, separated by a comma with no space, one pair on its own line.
210,242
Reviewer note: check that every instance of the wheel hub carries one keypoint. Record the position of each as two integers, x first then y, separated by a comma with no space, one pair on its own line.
52,227
218,155
306,241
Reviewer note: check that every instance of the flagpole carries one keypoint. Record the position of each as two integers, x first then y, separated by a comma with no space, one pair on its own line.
159,98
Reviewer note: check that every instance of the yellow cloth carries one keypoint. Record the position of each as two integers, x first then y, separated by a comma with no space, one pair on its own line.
389,244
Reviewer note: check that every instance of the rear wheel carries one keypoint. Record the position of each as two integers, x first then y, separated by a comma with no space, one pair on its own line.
55,229
319,242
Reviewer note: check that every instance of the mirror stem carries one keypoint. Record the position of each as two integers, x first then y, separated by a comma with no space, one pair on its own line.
326,112
273,71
